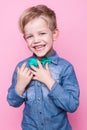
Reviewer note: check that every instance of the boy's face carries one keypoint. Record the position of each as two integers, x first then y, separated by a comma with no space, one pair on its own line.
39,37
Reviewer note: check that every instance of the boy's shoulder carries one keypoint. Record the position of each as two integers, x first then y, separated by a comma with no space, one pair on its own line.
23,61
64,62
65,65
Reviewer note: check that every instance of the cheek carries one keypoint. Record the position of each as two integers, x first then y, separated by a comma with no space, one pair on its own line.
29,43
48,39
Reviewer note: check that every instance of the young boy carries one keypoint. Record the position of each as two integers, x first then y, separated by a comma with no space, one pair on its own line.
45,82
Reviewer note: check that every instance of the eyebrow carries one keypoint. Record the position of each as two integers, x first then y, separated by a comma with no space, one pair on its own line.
42,30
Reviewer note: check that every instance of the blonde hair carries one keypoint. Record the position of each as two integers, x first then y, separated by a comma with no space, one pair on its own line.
38,11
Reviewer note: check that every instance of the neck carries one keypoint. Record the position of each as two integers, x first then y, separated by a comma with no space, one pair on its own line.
47,55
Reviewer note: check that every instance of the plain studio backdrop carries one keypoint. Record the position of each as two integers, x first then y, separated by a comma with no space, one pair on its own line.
71,44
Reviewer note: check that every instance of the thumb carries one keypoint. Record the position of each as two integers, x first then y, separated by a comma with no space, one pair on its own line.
47,67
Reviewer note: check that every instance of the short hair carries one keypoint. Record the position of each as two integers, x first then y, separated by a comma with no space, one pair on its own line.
38,11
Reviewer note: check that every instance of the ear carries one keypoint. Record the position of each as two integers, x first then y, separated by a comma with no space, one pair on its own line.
55,34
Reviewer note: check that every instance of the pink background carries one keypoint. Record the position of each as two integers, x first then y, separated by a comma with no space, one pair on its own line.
71,44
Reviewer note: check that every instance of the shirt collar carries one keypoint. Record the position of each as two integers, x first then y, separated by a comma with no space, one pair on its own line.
53,56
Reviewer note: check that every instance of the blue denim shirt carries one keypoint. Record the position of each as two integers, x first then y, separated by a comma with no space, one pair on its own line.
47,109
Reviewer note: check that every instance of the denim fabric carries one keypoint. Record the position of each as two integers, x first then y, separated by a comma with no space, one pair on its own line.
47,109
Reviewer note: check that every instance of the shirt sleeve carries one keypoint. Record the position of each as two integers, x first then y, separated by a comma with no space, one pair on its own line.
66,94
13,98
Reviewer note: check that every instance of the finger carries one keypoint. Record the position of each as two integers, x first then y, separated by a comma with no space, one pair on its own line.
39,63
23,66
30,75
34,68
33,72
26,70
47,67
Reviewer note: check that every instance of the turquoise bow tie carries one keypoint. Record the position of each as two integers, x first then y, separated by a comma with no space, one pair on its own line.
44,60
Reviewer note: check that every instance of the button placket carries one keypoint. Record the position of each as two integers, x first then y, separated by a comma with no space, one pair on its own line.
39,104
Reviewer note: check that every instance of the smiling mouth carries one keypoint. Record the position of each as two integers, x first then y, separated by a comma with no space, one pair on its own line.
39,48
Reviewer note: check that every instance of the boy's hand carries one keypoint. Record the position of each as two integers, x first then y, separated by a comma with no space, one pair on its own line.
43,75
24,77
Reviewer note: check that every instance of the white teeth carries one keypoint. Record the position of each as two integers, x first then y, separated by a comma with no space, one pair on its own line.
39,47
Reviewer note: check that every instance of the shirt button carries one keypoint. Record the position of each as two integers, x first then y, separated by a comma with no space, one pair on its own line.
38,99
40,112
42,123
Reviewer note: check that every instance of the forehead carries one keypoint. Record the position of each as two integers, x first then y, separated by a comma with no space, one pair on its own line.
36,24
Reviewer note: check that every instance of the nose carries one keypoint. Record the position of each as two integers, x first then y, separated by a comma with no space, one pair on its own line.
36,39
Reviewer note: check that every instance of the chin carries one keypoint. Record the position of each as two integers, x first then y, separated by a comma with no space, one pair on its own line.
40,54
43,53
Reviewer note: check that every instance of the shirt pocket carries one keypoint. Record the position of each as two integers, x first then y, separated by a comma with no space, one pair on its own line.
30,93
56,76
55,72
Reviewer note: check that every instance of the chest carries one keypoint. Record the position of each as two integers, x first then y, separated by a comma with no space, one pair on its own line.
36,88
